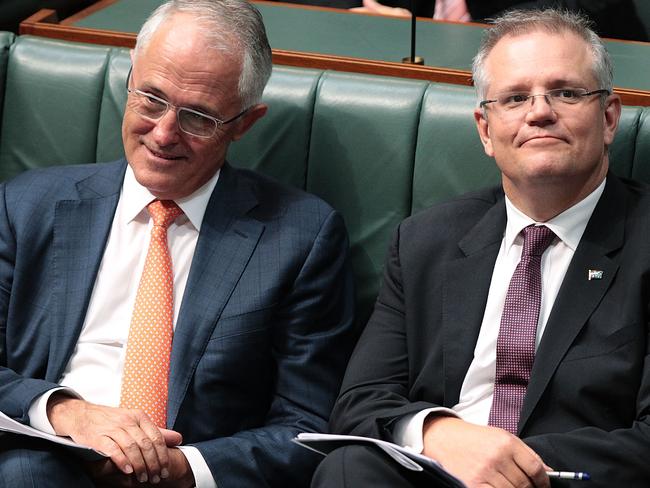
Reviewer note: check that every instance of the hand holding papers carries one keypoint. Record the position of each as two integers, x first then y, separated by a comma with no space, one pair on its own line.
9,425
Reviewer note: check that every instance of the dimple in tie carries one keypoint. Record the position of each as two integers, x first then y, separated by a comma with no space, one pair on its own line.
146,367
518,331
451,10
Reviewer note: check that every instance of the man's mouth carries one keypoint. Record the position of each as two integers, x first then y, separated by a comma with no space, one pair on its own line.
163,155
542,138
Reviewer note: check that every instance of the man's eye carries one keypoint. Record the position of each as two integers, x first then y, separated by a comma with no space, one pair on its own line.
514,99
565,93
194,117
154,102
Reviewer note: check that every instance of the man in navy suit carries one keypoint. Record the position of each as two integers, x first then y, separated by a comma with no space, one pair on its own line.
262,293
442,367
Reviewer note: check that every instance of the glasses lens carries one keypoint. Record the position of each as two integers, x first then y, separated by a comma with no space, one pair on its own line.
510,101
147,105
196,123
567,95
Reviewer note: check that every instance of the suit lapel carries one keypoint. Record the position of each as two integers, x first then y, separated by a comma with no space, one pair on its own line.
226,242
465,290
81,228
579,296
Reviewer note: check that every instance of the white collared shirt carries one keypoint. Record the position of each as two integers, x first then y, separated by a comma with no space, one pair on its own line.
94,371
477,390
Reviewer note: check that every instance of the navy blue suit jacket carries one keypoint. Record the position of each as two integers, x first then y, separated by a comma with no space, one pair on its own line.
264,328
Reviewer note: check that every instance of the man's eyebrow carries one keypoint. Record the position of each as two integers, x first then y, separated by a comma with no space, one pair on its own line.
557,83
197,108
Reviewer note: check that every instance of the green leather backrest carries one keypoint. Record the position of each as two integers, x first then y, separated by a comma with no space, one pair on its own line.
52,103
6,40
377,149
363,139
279,146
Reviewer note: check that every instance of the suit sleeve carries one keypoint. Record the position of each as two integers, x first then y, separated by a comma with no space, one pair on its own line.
312,339
375,390
16,392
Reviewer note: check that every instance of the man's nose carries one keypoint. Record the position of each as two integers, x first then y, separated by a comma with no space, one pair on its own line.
167,130
540,110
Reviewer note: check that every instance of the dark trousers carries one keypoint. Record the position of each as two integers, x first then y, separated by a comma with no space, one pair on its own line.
26,462
358,466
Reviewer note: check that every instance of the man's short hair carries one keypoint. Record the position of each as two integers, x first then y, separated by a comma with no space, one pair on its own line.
553,21
228,25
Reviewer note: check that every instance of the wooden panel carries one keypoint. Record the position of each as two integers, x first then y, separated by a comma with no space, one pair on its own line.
44,24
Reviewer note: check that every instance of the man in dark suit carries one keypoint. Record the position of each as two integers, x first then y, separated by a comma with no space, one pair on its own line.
261,301
455,361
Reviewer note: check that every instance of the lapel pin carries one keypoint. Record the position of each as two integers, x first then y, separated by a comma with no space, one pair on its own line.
594,274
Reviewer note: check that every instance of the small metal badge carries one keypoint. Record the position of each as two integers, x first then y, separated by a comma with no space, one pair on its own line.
594,274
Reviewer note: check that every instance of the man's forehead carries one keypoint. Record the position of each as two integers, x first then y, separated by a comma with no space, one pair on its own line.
180,47
540,37
554,55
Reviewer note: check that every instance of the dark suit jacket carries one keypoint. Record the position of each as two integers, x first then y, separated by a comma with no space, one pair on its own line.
264,327
587,407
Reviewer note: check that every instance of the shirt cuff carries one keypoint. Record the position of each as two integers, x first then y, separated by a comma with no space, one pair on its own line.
38,410
202,474
409,430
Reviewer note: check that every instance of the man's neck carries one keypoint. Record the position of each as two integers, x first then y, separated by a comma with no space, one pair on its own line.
541,201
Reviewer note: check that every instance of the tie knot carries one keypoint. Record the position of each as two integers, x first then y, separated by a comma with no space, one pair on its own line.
163,212
536,239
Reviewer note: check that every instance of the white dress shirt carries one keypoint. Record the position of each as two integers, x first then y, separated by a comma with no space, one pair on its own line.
94,371
477,390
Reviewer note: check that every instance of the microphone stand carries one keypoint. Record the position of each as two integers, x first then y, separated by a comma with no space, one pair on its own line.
413,59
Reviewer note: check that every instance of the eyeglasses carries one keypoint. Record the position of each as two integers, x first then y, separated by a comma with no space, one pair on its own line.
190,121
511,103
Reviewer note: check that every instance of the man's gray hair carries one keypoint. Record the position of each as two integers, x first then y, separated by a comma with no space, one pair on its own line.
229,25
553,21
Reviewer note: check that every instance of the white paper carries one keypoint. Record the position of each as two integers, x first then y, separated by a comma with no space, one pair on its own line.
9,425
325,443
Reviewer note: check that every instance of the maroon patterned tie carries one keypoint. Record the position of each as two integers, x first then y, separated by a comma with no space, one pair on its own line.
516,341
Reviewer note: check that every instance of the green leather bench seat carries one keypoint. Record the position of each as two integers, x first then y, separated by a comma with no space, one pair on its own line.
378,149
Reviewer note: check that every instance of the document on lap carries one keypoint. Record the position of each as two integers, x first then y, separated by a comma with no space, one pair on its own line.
9,425
326,443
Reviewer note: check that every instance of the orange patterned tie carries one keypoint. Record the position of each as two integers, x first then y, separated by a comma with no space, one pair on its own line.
451,10
146,367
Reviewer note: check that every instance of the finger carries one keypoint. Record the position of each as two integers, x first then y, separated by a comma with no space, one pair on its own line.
532,465
116,455
512,475
171,437
126,440
156,454
501,481
152,450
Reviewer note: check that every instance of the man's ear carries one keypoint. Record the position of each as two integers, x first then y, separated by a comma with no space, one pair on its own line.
612,115
247,121
483,130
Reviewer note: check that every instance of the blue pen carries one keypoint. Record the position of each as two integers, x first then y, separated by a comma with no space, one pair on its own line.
568,475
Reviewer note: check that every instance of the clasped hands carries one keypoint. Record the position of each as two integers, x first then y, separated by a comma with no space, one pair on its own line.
138,451
483,456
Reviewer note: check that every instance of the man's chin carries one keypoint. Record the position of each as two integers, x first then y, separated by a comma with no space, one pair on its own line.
161,185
